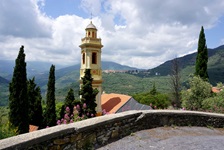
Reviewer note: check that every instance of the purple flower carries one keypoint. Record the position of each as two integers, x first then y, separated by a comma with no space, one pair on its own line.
65,122
71,121
84,106
66,117
67,109
58,122
92,115
78,107
104,112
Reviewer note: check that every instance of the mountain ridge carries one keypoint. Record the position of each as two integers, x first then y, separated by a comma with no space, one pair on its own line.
184,61
127,83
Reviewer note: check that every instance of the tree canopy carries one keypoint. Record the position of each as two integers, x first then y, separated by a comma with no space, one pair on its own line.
50,112
18,102
88,95
35,107
202,57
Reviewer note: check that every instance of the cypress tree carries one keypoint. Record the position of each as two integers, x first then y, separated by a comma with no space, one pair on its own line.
88,95
50,113
202,57
35,107
18,102
69,102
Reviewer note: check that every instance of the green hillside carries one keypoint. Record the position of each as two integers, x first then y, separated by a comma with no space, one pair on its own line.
65,78
122,83
186,63
126,83
4,94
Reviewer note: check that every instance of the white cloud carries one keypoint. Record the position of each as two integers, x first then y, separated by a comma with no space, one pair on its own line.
140,34
24,20
157,31
91,6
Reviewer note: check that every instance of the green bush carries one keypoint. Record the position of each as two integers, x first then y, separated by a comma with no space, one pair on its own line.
58,109
215,103
7,131
199,90
158,100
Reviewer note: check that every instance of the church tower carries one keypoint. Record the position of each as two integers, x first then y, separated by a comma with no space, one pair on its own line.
91,59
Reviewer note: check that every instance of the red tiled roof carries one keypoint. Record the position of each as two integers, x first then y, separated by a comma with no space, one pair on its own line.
33,128
112,102
215,90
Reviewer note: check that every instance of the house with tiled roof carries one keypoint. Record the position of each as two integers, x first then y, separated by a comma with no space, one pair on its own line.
33,128
216,89
115,103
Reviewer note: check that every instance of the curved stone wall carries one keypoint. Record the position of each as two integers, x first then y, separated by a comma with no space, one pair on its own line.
99,131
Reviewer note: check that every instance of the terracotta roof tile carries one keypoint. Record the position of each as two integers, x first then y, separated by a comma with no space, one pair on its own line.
215,90
33,128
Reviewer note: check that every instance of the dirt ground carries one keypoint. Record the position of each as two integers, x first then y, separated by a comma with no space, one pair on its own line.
171,138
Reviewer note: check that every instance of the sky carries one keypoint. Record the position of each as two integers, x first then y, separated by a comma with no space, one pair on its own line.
137,33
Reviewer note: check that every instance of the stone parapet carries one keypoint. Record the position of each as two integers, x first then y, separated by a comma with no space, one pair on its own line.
99,131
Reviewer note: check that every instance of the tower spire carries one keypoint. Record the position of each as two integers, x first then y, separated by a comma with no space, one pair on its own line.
91,59
91,17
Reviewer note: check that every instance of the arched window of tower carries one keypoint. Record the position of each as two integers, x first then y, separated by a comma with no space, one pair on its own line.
83,58
94,58
93,35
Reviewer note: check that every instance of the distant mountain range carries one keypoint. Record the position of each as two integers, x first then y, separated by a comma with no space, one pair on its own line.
125,83
35,68
187,63
40,70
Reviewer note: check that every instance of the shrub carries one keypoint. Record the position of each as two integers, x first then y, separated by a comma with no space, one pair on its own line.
157,100
199,90
215,103
6,130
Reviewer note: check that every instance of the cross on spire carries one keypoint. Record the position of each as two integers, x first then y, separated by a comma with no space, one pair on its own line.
91,16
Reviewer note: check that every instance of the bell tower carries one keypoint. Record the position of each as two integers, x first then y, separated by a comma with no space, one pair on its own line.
91,59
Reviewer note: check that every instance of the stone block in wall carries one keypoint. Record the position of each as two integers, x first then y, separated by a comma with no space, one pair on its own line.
115,134
75,137
61,141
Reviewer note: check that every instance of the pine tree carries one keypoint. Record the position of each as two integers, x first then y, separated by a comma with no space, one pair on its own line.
35,107
202,57
18,102
69,102
88,95
50,113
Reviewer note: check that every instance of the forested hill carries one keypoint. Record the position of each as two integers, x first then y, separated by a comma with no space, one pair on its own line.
186,63
3,80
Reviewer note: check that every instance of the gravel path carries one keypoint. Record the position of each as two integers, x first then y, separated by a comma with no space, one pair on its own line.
171,138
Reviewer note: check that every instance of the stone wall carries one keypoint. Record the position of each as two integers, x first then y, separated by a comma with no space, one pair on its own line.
98,131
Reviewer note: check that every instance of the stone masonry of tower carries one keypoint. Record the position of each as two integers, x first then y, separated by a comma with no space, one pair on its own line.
91,59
